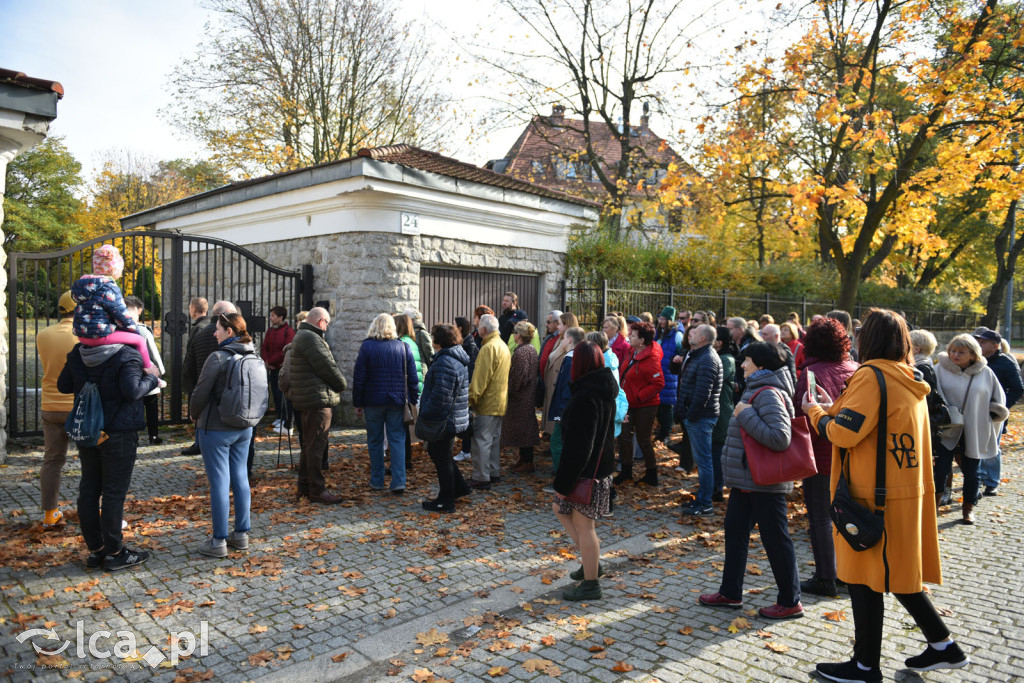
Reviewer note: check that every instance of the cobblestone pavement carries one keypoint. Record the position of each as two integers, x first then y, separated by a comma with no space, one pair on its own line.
375,589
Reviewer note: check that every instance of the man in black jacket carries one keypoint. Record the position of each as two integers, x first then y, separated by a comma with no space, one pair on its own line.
510,315
201,344
116,369
700,383
1007,371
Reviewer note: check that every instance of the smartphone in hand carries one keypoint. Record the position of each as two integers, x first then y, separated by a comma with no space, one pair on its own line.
812,386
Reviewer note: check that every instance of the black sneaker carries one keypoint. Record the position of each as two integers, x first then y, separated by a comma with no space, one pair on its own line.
192,450
849,672
584,590
931,659
155,441
577,574
991,491
438,506
125,559
622,477
698,511
95,559
818,586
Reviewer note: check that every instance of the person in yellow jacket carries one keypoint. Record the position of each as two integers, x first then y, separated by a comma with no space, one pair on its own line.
54,344
908,554
488,398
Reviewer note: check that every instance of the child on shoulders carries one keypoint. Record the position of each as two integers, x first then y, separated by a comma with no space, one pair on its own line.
101,317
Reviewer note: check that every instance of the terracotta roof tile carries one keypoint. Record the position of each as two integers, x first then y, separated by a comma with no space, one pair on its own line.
19,78
546,138
421,159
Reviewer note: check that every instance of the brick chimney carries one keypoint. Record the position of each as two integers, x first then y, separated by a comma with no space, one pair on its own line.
557,114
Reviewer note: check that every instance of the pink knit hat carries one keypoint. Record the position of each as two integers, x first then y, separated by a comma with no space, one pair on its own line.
106,260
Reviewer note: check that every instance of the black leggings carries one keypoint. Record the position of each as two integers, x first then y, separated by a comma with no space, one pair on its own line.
868,613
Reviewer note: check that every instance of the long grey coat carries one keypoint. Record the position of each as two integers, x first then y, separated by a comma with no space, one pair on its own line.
768,420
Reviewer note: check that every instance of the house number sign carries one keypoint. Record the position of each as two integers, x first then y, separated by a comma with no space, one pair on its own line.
410,224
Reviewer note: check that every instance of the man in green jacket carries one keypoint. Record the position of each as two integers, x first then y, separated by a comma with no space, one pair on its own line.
488,397
316,385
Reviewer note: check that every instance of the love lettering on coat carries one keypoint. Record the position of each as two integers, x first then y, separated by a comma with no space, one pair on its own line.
903,450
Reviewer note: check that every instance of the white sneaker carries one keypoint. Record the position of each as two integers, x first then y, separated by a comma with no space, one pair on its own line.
124,525
462,457
278,422
548,489
283,431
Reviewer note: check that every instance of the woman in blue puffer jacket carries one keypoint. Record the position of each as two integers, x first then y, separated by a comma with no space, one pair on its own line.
446,397
671,340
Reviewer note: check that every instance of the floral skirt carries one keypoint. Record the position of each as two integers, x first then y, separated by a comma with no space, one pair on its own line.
599,501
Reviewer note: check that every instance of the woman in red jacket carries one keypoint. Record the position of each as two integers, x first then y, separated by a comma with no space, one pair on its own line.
642,379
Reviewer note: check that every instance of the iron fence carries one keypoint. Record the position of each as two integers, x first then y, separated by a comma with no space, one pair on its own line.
590,301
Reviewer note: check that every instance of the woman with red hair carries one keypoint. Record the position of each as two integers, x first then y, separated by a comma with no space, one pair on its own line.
588,422
827,355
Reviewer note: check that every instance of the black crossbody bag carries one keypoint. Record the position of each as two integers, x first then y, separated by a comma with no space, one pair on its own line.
863,528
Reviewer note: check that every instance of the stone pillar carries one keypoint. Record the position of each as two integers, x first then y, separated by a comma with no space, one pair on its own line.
7,153
17,134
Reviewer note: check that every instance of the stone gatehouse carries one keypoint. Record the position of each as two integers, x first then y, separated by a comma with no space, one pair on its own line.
391,228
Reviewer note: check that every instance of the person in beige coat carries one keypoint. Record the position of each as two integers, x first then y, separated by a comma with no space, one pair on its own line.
968,384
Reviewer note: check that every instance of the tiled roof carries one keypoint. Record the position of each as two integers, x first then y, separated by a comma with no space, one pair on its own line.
18,78
549,137
421,159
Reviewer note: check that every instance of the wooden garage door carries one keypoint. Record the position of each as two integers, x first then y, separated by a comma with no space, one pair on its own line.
448,292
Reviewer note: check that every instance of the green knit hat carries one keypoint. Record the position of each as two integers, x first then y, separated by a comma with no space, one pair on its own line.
669,313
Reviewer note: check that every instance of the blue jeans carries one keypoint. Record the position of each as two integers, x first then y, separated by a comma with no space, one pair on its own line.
989,470
224,457
700,444
379,418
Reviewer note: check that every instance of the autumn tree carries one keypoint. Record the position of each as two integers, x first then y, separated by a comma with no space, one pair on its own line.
604,61
280,85
884,114
41,207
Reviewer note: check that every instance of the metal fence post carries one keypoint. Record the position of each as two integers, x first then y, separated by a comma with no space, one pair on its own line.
175,315
767,303
803,309
604,299
725,303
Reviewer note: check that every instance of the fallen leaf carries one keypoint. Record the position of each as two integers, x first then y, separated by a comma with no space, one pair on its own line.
776,647
496,671
737,624
622,667
431,637
340,658
838,615
261,658
543,665
547,640
258,628
686,630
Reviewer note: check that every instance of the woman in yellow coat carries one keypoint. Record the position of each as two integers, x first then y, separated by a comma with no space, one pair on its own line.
907,556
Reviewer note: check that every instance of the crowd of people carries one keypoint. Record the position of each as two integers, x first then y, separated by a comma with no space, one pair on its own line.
600,400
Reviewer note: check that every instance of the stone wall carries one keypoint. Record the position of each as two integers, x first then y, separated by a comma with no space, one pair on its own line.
363,274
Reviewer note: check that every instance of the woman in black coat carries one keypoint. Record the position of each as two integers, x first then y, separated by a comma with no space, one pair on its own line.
588,423
446,398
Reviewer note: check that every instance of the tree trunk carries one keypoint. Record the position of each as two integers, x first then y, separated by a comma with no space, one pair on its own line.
1005,267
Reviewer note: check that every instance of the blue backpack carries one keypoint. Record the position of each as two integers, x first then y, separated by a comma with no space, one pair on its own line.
85,421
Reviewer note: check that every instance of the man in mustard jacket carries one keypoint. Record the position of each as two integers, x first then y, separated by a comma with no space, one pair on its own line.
488,397
54,344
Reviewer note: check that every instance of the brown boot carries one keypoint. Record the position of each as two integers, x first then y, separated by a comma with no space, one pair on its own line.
968,513
523,467
325,497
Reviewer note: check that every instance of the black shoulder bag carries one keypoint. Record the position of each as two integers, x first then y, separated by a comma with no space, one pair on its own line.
861,527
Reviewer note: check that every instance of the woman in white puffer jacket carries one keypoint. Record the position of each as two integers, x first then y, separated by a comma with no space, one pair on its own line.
967,383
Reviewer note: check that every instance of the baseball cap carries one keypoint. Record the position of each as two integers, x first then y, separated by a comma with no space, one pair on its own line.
986,334
66,304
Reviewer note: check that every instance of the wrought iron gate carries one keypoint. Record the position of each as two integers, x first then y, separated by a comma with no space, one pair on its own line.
165,270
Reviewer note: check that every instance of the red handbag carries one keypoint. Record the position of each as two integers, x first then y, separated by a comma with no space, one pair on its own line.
796,462
583,491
